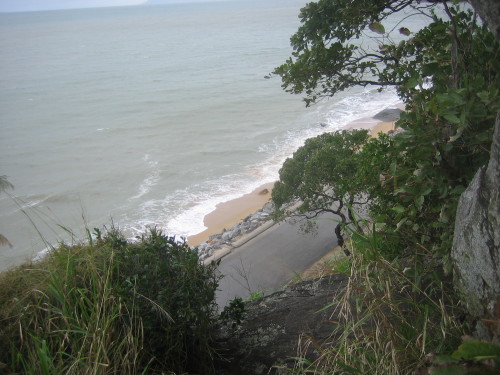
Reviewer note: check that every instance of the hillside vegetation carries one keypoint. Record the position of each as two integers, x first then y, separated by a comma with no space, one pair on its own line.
109,307
115,307
447,74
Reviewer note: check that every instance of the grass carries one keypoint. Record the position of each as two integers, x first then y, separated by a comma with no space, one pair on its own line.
68,317
391,316
109,307
114,307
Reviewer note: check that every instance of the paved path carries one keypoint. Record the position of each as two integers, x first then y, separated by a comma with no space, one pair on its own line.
271,259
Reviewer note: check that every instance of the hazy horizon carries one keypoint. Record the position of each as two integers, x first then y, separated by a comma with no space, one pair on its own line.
7,6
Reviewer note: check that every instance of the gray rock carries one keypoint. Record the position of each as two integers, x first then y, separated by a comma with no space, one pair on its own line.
476,246
489,10
235,232
215,236
273,325
226,236
388,114
203,247
255,217
268,208
245,226
253,225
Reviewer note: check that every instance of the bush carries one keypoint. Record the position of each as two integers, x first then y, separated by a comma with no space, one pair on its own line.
109,307
163,281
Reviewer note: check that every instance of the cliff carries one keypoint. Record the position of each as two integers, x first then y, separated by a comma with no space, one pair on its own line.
274,325
476,245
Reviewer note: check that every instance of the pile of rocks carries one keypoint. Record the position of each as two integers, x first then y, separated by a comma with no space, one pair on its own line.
228,236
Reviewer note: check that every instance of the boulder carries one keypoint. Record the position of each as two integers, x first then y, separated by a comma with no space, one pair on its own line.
274,325
388,114
476,246
235,232
245,226
268,208
226,237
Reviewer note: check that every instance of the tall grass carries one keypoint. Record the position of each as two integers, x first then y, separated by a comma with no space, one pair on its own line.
85,310
391,316
68,318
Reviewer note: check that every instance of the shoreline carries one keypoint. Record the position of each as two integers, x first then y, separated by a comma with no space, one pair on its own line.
230,214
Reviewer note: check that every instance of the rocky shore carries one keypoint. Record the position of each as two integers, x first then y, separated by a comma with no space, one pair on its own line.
228,237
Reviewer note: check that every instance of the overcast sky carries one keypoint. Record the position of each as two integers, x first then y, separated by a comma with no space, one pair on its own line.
28,5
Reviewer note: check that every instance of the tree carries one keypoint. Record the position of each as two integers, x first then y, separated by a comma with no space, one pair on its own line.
328,56
322,175
447,73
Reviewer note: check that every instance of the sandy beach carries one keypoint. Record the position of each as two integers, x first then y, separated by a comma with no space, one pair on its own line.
382,127
227,214
230,213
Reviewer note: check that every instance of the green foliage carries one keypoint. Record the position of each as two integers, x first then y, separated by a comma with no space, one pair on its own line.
234,313
399,305
448,130
171,290
448,75
342,265
254,296
328,56
478,350
471,357
109,307
322,174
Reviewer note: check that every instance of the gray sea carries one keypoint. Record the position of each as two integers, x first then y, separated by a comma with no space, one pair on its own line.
147,116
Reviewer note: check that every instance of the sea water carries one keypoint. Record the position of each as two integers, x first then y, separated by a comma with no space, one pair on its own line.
147,116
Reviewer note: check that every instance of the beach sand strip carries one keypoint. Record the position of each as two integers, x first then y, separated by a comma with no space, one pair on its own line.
227,214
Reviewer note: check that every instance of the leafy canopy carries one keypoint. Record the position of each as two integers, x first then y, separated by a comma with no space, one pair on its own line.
447,74
330,49
322,174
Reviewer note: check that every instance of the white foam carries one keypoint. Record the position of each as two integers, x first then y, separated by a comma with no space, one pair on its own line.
152,178
41,254
182,212
334,115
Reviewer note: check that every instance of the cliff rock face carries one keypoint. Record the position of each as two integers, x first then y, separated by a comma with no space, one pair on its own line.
476,252
489,10
274,325
476,246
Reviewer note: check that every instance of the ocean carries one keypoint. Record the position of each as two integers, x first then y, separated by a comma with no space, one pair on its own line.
147,116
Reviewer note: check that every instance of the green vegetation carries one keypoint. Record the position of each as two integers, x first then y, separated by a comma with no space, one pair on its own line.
110,307
389,321
400,305
234,313
322,174
448,123
148,307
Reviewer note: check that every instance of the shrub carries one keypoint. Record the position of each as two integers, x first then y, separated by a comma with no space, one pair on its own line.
109,307
164,283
